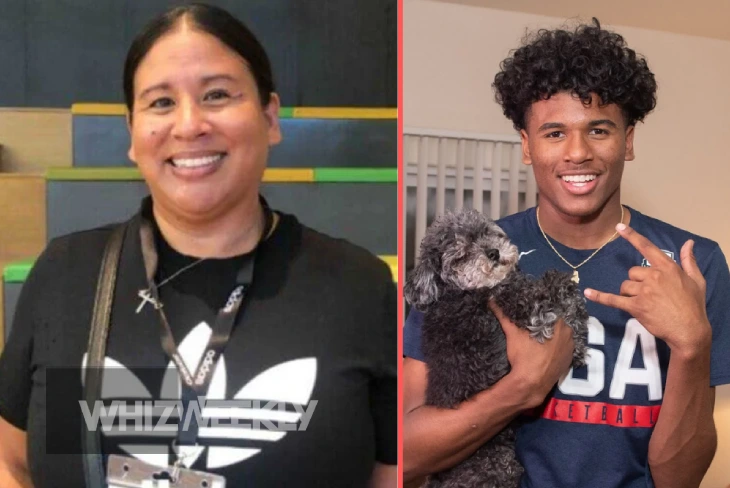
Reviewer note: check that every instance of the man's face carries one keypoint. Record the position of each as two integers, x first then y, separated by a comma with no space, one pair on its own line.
577,153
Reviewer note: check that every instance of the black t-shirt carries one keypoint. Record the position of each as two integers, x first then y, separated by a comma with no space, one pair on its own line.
318,324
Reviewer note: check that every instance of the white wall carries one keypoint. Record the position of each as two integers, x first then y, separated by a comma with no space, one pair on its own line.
681,174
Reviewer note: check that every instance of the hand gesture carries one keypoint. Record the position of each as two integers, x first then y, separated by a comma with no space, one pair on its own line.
666,298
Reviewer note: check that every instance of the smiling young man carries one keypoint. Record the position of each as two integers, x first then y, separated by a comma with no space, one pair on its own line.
640,414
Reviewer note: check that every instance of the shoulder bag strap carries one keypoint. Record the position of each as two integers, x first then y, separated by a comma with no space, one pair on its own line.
91,439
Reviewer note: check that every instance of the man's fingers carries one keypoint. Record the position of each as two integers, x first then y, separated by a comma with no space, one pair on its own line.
630,288
689,263
507,326
609,299
494,308
653,254
640,273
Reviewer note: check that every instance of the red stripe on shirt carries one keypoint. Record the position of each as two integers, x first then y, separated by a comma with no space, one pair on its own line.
600,413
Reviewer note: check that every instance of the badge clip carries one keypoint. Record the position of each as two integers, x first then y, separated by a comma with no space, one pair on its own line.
126,472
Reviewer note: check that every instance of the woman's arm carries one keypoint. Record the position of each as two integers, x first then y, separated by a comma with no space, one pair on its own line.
13,458
384,476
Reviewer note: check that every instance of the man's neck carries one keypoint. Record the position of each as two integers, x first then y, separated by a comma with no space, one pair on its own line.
233,233
589,232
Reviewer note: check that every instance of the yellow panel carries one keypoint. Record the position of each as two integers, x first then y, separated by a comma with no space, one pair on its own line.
344,113
98,109
289,175
392,261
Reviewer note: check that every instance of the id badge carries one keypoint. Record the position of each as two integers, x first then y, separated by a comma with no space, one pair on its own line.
125,472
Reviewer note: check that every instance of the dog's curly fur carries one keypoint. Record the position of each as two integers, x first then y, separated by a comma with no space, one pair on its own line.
466,260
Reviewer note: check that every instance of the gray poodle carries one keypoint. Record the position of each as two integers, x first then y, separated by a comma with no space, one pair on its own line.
466,259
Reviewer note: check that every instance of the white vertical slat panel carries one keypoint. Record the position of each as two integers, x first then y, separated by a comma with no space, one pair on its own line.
531,189
441,176
488,161
478,180
459,186
454,158
495,201
514,179
410,156
421,192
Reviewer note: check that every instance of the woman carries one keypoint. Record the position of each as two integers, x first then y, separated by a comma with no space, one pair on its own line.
311,343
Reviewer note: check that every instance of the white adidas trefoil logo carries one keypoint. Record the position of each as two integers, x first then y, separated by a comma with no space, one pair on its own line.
290,382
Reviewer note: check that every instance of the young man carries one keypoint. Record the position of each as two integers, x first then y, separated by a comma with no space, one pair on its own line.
640,414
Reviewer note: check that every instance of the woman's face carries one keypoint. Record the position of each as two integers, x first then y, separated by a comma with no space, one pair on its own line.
199,133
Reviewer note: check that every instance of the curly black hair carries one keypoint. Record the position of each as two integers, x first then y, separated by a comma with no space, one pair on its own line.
583,62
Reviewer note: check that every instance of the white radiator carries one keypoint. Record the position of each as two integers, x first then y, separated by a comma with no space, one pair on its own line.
451,170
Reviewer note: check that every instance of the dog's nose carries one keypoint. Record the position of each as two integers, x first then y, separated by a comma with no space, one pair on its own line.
493,254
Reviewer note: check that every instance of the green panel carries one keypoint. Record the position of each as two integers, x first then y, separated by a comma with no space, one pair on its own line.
17,272
321,175
356,175
93,174
286,112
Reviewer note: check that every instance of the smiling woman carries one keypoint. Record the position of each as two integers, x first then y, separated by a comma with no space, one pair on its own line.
202,118
215,296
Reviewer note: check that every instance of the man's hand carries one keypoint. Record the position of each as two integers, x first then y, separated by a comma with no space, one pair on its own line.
668,300
539,365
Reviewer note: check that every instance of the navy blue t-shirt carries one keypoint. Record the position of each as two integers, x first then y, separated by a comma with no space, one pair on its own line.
596,428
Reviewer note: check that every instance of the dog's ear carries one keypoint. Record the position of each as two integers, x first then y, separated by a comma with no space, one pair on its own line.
422,286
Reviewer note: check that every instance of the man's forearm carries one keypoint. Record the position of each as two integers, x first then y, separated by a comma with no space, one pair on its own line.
435,439
684,439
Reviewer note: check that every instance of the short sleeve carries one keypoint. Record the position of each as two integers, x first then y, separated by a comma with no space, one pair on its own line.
17,356
384,387
412,335
717,277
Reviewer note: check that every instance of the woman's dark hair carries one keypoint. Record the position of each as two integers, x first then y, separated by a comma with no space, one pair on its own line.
583,62
211,20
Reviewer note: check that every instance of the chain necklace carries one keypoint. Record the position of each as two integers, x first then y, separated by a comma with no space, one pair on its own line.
576,277
146,294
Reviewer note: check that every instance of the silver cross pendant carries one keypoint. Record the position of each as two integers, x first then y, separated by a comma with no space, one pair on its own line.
147,297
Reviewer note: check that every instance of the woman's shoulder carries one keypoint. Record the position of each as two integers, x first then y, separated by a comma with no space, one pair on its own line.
339,256
73,253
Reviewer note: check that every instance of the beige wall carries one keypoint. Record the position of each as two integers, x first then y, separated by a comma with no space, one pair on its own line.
682,170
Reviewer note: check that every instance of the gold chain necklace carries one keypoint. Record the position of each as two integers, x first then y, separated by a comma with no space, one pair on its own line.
575,277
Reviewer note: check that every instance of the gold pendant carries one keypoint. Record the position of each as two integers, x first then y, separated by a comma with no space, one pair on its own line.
575,276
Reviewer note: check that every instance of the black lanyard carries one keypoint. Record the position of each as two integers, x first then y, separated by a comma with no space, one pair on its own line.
196,385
